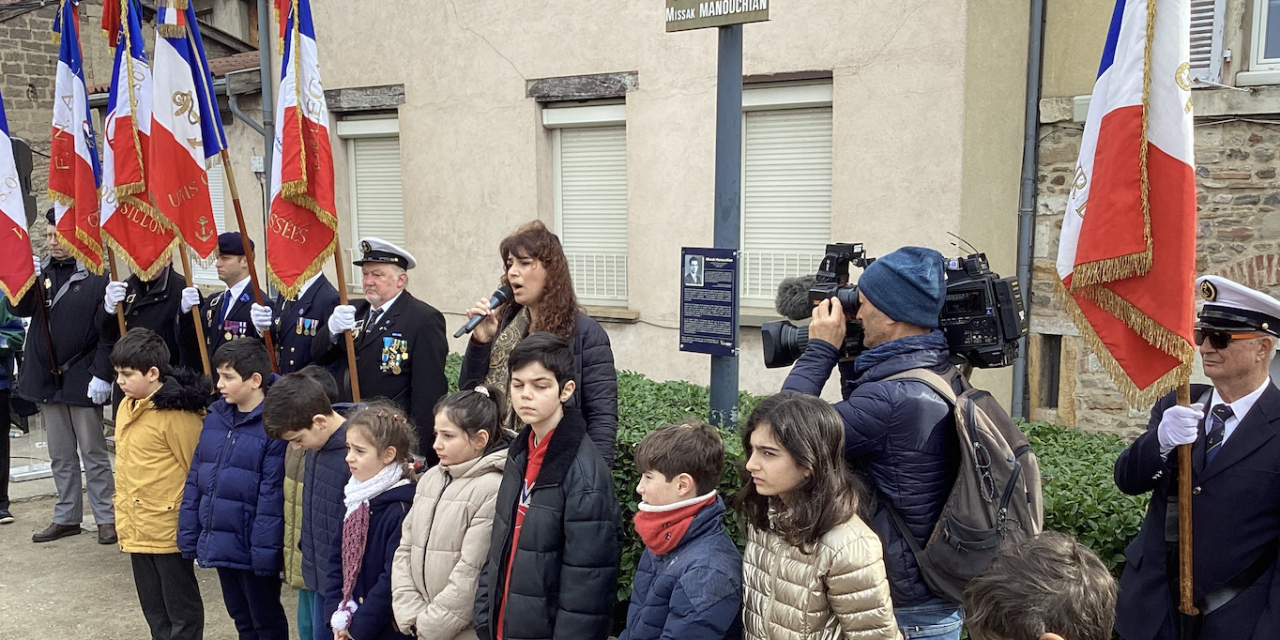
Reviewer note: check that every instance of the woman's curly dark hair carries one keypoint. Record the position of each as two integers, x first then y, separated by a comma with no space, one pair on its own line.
558,310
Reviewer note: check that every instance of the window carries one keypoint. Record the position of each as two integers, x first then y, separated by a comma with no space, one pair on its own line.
375,183
203,270
786,186
590,190
1206,40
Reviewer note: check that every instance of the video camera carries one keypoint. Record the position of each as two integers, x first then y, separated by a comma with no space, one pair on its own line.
982,316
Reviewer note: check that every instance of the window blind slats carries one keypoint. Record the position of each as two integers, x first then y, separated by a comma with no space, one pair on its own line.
593,211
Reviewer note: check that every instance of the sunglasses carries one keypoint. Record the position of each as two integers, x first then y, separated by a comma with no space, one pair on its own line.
1220,339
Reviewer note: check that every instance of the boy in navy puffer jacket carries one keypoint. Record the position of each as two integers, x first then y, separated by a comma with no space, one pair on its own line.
232,515
689,582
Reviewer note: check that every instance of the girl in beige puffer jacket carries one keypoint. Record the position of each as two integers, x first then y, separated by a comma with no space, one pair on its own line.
812,568
445,538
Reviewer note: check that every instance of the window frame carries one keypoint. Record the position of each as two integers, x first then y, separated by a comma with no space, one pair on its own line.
1257,39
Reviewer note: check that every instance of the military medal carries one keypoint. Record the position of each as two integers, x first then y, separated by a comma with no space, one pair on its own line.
298,329
395,368
48,283
226,336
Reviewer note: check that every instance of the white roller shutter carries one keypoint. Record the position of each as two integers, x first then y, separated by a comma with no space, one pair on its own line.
203,271
591,207
786,197
1206,39
378,197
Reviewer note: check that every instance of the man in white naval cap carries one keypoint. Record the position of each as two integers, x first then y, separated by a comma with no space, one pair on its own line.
1232,427
400,340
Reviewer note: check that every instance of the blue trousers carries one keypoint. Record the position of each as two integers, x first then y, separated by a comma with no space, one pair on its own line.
936,620
254,604
306,617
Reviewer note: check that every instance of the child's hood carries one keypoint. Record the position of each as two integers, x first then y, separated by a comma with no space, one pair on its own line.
183,390
403,493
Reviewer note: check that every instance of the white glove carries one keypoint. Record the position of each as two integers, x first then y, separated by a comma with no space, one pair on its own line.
115,294
99,391
1179,425
190,298
36,260
343,319
261,317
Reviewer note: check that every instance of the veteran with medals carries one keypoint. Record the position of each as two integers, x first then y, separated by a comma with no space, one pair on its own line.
1233,427
226,315
298,323
400,340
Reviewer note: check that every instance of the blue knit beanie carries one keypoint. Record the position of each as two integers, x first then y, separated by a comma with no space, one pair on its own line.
908,285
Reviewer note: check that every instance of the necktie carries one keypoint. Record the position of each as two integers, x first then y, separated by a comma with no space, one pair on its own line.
226,304
1217,431
374,315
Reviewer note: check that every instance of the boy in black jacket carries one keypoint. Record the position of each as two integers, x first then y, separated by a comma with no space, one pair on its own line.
553,557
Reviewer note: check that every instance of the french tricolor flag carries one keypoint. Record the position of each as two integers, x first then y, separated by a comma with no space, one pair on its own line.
74,171
186,132
130,222
1127,250
16,270
301,230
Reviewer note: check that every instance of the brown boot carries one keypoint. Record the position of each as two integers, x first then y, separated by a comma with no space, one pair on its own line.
107,534
56,531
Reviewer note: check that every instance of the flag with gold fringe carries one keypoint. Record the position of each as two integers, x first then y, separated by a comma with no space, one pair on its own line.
74,171
1127,251
17,272
186,129
130,223
302,227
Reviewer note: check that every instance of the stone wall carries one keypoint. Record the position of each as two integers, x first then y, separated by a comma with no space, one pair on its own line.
1238,196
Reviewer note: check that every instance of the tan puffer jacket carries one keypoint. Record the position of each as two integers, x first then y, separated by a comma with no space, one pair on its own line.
295,463
837,591
444,546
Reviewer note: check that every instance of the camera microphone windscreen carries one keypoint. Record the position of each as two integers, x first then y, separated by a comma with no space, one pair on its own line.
496,300
792,301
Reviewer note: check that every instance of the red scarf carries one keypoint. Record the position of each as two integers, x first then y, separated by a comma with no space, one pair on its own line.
661,528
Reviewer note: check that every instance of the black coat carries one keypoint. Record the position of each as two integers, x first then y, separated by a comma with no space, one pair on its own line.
1235,513
160,310
417,382
595,377
373,618
565,570
80,348
297,322
238,324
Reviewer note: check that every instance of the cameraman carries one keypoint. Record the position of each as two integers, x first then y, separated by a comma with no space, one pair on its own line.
900,434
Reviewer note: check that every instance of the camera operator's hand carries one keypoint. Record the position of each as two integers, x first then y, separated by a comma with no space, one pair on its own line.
828,322
487,329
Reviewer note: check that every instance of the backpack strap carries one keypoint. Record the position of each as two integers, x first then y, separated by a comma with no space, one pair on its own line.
939,384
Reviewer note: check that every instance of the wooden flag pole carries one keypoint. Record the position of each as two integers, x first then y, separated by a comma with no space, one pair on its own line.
48,333
1186,596
248,252
111,255
195,311
342,299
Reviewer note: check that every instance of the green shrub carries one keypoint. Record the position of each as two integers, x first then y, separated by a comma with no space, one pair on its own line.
1080,495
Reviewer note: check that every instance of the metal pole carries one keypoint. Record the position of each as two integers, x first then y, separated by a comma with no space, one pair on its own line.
1027,206
728,204
265,39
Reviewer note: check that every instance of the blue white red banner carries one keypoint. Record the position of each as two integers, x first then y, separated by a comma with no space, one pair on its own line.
301,230
1127,250
130,222
74,171
186,133
17,272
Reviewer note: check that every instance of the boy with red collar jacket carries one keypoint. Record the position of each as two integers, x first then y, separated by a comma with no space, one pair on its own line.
689,582
553,559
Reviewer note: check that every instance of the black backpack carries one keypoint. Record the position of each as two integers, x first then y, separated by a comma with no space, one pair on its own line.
996,497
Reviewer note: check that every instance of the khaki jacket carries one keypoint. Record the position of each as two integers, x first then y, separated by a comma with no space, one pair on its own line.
295,461
155,439
443,547
837,591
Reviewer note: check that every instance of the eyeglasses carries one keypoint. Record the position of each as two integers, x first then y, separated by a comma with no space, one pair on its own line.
1220,339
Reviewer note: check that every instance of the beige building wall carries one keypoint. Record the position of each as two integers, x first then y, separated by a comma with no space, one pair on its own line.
1075,31
927,111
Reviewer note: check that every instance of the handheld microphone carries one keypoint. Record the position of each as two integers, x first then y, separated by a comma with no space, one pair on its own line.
499,297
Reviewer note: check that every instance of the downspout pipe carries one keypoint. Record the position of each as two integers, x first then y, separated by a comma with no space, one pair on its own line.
244,117
268,100
1027,196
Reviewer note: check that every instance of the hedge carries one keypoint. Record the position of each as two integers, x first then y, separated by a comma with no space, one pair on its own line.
1080,497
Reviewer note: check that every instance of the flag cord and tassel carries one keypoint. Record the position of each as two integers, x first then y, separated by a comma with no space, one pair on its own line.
115,273
195,311
342,299
248,252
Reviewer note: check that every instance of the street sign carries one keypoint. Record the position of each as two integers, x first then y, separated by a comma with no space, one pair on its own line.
708,301
683,15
